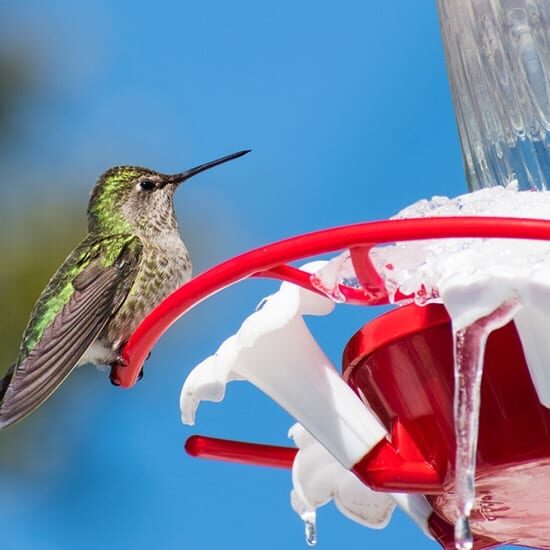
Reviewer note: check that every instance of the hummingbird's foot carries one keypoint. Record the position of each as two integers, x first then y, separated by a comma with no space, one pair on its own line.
148,356
120,361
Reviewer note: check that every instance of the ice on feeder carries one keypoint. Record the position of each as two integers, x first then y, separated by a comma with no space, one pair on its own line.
472,277
339,271
469,344
432,268
418,269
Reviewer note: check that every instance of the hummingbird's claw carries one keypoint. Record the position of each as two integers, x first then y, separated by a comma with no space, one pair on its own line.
140,375
120,361
148,356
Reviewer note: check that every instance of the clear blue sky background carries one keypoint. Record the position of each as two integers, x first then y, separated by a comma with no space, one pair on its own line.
347,109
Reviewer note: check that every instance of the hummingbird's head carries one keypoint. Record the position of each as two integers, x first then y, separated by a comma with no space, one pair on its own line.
131,199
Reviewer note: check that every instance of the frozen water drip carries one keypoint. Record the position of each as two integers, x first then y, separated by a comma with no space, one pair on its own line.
311,532
469,346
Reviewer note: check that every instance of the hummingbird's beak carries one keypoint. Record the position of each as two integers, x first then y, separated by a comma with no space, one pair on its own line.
182,176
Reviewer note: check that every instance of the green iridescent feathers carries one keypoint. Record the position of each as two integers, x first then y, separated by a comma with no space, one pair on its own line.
60,288
105,211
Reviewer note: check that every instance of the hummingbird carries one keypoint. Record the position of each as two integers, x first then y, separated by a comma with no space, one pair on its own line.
130,260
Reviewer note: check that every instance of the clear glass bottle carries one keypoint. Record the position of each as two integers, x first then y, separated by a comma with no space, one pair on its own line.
498,59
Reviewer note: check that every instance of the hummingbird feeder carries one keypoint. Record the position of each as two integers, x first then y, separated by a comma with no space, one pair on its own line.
442,406
389,419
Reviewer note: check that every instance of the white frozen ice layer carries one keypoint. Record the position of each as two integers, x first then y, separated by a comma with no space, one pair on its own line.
473,277
489,271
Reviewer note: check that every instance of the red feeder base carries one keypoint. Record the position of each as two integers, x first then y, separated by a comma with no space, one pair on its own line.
401,364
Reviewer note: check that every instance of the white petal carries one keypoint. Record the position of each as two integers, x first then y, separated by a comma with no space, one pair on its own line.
275,351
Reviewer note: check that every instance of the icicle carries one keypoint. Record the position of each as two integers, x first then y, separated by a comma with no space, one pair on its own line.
311,531
469,345
307,512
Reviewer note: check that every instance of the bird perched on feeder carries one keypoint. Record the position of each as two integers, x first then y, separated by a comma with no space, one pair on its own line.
131,259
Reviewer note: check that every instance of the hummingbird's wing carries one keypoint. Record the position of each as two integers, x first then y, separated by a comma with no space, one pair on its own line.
98,292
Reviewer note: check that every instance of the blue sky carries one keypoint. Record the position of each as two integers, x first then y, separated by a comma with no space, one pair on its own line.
349,116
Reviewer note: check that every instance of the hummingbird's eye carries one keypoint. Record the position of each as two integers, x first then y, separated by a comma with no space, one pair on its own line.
147,185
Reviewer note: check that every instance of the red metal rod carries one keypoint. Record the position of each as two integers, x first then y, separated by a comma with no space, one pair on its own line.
240,452
270,256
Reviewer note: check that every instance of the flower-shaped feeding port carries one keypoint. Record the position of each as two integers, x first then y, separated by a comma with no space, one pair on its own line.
275,351
391,427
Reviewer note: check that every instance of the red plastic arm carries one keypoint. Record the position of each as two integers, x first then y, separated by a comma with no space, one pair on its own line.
390,466
354,296
271,256
238,451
